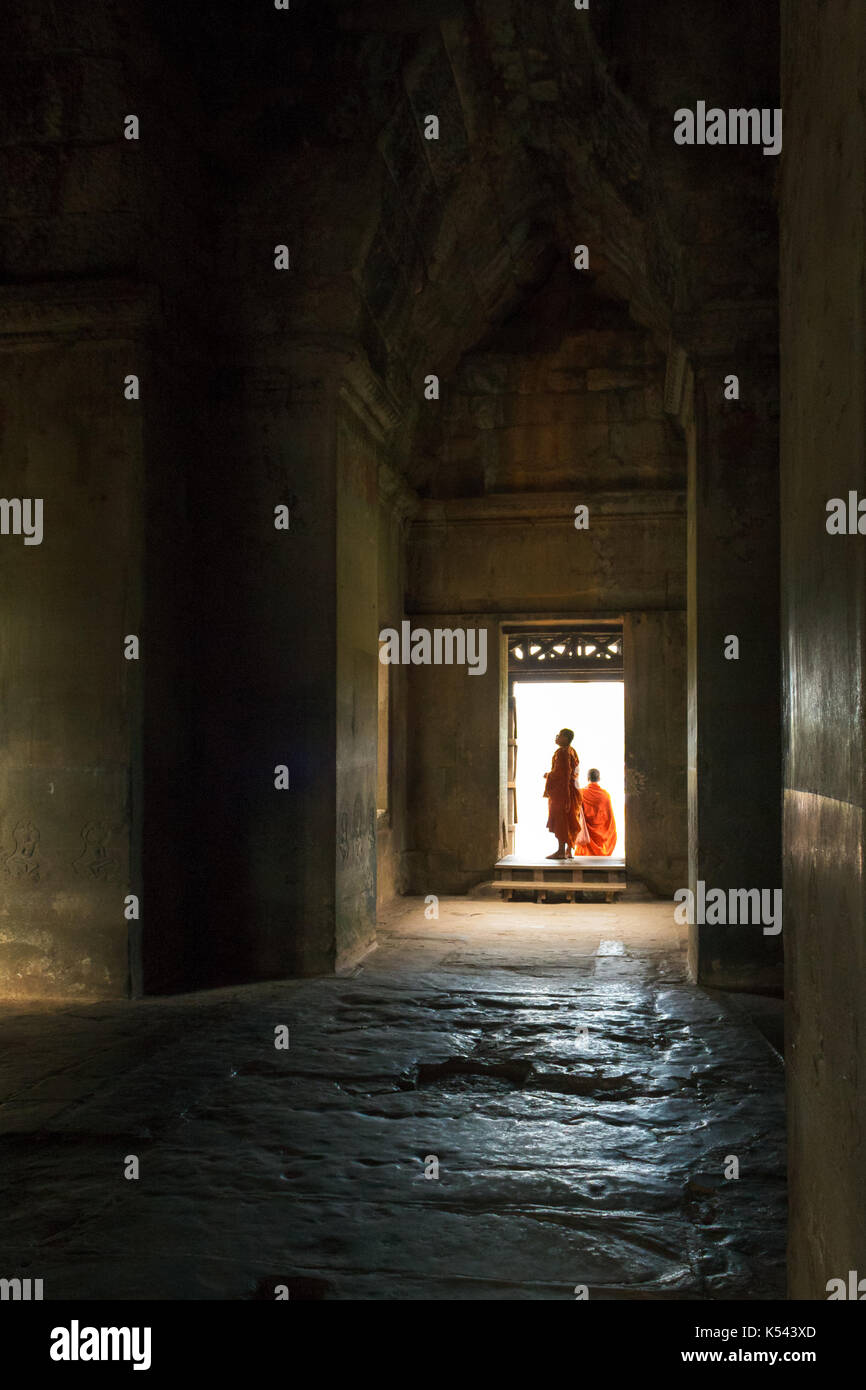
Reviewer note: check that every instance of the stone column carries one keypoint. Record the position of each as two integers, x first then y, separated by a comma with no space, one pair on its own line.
70,704
365,413
287,667
734,744
654,654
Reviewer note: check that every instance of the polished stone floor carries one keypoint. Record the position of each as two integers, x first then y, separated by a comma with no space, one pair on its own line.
580,1098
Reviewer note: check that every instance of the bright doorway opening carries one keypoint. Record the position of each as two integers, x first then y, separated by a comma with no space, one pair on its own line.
595,710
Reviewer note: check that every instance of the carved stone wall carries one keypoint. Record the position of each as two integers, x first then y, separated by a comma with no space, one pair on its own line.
69,701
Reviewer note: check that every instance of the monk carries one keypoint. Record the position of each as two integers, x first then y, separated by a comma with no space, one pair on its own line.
598,813
563,795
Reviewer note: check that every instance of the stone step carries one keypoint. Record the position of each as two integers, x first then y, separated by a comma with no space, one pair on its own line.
561,890
581,871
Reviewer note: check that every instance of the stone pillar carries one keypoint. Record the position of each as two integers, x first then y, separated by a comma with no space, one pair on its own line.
734,744
456,756
364,415
70,704
654,654
397,503
288,876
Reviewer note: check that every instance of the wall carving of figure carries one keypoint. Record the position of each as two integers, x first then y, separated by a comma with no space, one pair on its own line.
96,859
23,862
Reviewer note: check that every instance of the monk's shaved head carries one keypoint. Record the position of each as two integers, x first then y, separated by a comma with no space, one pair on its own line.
567,733
594,774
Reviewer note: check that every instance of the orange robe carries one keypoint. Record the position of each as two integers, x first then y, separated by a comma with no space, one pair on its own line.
563,794
599,819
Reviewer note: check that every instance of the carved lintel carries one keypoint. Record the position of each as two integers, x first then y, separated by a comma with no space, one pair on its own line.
687,404
369,397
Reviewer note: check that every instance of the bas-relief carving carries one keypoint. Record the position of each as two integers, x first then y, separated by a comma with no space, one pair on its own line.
96,859
23,862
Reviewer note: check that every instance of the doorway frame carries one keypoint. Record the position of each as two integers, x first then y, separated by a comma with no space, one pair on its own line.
543,623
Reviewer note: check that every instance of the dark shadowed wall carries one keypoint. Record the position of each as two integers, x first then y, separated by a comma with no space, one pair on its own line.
823,294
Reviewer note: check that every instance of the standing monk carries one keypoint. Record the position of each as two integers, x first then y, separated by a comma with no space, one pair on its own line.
598,812
563,795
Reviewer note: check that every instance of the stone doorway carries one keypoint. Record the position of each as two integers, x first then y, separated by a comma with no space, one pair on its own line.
561,675
560,671
595,710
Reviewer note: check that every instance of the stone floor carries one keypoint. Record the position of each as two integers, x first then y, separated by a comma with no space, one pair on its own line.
580,1096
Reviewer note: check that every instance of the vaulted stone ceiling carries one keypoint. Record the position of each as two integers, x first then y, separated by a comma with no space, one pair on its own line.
568,392
421,250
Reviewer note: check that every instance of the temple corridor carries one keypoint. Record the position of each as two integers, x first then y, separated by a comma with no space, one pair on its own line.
367,367
580,1096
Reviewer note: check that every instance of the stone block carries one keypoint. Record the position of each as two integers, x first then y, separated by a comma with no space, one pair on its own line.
483,375
617,349
80,245
625,407
555,409
97,177
613,379
654,400
487,412
646,439
30,178
96,97
34,101
572,379
526,451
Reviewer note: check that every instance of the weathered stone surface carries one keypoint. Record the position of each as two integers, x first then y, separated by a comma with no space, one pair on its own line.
823,305
654,653
580,1107
65,831
733,591
413,257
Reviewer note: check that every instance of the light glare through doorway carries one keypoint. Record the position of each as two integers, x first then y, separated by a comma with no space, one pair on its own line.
595,710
